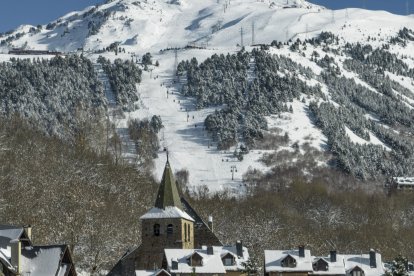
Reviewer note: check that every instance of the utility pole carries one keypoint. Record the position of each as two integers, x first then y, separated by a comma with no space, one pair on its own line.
364,4
175,62
407,6
253,38
241,36
333,16
347,14
233,169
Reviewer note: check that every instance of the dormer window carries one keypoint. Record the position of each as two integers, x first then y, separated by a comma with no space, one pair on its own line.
170,229
320,265
157,229
195,260
228,260
357,271
289,261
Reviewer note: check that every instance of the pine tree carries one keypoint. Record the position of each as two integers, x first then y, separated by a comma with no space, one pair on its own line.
399,267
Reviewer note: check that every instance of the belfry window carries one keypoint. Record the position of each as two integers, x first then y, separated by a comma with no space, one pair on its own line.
185,232
170,229
188,232
156,229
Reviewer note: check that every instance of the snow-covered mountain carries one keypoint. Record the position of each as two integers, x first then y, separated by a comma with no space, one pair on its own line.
153,25
220,26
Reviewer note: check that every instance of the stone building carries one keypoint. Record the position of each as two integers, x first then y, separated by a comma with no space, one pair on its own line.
19,256
172,223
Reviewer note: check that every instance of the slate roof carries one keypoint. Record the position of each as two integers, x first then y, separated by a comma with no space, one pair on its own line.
362,261
334,268
35,260
10,232
232,250
274,258
211,264
167,192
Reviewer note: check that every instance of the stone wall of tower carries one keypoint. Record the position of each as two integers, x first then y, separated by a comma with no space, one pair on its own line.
176,239
151,250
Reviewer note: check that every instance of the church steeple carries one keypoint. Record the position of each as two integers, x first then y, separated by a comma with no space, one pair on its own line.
167,192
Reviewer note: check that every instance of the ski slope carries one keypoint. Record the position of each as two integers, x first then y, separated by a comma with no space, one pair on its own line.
216,26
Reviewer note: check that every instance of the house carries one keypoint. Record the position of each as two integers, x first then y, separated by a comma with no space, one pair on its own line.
364,264
402,183
18,255
332,265
189,261
288,262
214,260
172,223
232,257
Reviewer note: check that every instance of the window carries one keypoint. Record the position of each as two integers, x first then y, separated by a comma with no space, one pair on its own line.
357,272
228,261
289,261
185,232
170,229
196,260
188,232
320,265
156,229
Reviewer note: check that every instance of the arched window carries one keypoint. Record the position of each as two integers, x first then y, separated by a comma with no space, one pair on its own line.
185,232
156,229
170,229
188,232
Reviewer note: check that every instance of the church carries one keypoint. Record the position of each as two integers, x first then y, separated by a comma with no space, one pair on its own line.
172,225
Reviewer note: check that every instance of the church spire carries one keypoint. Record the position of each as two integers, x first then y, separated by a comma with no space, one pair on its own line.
167,192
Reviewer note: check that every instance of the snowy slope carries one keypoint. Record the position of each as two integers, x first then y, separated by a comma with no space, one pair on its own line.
153,25
218,26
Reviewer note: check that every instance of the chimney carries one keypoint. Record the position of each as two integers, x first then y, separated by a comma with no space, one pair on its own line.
239,248
372,258
28,230
210,250
333,256
210,223
174,264
16,255
301,251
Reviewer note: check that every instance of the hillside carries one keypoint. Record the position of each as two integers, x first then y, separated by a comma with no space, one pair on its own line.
368,129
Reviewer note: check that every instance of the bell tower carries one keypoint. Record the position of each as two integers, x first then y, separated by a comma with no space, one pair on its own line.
166,225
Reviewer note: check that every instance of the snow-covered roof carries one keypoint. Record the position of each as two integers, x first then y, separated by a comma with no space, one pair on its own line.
5,259
211,264
9,233
334,268
406,181
42,260
168,212
274,258
362,261
39,260
222,251
150,272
